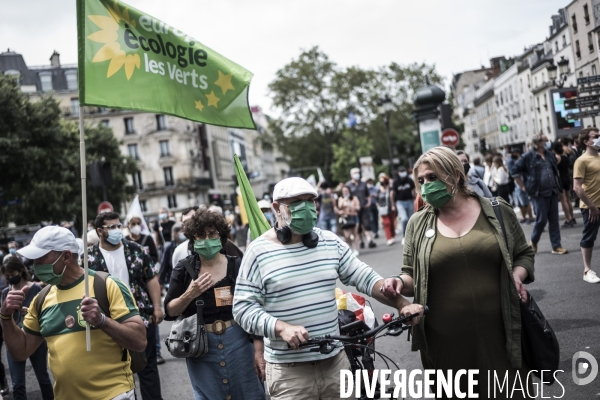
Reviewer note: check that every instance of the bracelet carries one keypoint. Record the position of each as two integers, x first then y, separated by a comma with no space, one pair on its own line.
101,323
401,280
4,316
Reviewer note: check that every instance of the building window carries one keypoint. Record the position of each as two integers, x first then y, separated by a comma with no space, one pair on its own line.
137,182
564,41
129,129
586,14
510,92
574,23
577,50
143,206
168,174
71,77
594,71
105,122
133,151
46,81
556,45
590,42
165,151
172,200
75,106
160,123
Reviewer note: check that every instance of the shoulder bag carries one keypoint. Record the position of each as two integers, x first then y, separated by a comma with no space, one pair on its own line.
539,346
188,337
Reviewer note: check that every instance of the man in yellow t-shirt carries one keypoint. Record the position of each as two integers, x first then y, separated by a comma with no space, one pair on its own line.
97,375
586,183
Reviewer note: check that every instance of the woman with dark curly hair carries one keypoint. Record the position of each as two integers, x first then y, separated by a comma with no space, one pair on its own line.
227,370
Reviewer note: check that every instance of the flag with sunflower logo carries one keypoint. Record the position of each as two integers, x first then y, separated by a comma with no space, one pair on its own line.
131,60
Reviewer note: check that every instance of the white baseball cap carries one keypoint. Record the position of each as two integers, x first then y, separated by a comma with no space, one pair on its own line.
47,239
264,204
292,187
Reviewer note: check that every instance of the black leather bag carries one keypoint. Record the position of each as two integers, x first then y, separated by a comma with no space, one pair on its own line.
539,347
348,222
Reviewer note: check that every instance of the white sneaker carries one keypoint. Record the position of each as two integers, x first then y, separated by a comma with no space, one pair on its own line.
356,253
390,242
591,277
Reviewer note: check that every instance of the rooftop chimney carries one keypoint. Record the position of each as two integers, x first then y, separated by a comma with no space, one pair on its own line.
55,59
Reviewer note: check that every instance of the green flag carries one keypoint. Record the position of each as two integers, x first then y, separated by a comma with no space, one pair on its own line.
131,60
256,219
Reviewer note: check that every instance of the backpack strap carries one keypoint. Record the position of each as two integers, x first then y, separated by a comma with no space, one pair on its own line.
498,212
39,300
189,267
100,291
144,240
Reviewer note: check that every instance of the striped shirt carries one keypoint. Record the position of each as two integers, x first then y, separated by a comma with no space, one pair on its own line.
297,285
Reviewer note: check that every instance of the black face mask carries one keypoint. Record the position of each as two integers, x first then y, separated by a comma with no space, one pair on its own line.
467,167
14,280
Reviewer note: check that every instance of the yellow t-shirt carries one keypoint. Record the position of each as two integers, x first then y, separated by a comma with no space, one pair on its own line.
99,374
587,167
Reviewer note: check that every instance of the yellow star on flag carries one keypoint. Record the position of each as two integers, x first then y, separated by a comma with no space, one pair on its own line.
212,99
199,105
224,82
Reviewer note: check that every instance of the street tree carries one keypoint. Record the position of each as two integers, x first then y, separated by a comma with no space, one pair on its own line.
314,97
39,160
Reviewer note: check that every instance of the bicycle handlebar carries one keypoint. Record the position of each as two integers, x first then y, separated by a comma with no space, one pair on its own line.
398,321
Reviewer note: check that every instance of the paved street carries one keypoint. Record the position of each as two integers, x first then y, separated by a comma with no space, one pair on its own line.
570,304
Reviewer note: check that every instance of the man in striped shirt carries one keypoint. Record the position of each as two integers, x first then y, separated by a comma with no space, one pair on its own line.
285,291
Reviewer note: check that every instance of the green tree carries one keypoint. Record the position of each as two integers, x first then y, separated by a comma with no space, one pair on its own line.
314,97
39,160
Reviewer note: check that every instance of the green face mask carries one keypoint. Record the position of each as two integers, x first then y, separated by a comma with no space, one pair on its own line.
436,194
208,248
304,216
45,273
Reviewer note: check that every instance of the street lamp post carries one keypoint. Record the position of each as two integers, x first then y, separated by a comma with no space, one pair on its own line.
563,72
384,107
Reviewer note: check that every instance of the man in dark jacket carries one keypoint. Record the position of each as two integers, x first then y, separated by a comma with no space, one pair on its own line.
539,169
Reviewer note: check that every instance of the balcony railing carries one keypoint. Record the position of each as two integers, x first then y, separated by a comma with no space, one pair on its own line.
87,110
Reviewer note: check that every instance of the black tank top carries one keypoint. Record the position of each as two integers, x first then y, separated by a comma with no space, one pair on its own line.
224,312
563,166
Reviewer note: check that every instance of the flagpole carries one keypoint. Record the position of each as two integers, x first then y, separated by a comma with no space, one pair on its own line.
88,341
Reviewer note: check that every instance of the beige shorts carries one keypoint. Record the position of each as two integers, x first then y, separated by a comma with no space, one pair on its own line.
318,380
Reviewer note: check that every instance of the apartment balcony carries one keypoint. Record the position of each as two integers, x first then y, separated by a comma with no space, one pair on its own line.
73,112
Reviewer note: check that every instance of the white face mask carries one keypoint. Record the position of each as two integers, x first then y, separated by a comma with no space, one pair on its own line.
136,229
403,174
596,143
356,176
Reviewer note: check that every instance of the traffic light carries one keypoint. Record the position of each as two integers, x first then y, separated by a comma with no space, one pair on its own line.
101,174
482,145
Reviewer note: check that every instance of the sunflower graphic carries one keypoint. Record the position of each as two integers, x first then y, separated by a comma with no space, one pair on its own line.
108,35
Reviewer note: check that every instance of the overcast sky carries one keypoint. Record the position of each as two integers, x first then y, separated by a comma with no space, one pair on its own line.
263,36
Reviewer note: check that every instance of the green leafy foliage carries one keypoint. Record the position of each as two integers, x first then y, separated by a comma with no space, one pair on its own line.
39,160
314,97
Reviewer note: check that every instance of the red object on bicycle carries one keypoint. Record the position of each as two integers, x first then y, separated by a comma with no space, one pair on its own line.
386,318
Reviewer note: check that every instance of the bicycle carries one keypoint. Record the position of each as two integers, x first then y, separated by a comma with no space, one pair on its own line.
359,344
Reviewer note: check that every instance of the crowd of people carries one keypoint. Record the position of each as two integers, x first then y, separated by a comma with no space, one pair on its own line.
264,297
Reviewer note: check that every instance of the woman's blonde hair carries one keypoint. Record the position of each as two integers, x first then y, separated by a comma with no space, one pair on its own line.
446,166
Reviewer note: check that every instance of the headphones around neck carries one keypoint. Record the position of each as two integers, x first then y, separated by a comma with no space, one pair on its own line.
284,235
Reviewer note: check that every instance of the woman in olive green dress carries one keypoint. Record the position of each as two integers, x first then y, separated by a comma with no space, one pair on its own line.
458,263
